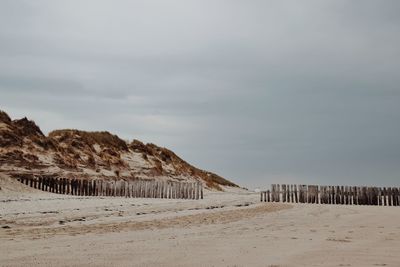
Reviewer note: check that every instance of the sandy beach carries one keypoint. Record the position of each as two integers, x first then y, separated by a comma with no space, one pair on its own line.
224,229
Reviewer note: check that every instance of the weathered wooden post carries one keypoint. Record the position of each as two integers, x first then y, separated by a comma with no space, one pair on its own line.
272,192
305,193
82,187
328,194
39,182
345,195
94,187
60,185
337,195
173,190
178,190
82,184
169,190
283,193
288,193
89,187
57,180
384,196
321,194
129,189
137,188
66,180
86,187
196,190
143,189
108,188
165,189
33,182
310,195
51,185
301,194
379,196
333,195
350,196
77,187
186,190
132,188
72,184
183,185
296,192
393,194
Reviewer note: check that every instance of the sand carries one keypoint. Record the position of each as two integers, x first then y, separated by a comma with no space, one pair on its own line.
224,229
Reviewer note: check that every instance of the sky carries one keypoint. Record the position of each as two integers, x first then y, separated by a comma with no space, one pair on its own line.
259,92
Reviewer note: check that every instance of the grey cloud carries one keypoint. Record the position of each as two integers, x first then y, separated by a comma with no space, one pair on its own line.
259,91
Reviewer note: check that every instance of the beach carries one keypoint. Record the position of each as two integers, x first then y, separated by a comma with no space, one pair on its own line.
224,229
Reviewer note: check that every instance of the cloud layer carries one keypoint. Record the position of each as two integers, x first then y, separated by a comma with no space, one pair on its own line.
257,91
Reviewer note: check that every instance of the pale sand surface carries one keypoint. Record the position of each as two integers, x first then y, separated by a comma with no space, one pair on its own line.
224,229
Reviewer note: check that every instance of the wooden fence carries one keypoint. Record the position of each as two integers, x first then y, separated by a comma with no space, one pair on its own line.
344,195
121,188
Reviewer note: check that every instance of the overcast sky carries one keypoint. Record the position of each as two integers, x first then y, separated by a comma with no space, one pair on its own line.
256,91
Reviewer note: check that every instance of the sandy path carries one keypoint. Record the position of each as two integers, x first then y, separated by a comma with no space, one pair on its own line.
229,229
